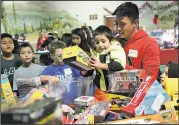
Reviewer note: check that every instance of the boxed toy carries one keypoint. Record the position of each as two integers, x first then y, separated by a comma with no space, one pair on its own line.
117,101
84,100
6,90
164,116
153,100
124,81
40,112
171,86
139,96
76,57
96,109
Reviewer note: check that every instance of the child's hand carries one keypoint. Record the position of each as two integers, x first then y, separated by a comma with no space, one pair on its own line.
53,80
94,63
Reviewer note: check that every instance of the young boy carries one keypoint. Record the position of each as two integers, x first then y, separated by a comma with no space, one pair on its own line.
9,61
111,58
29,69
59,69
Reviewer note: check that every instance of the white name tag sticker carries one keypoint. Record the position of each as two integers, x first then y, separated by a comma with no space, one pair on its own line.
67,71
133,53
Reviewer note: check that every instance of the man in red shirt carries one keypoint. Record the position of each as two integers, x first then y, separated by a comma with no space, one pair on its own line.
142,51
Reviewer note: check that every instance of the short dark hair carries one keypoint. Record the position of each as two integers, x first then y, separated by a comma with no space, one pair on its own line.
103,30
128,9
56,45
23,45
67,39
3,35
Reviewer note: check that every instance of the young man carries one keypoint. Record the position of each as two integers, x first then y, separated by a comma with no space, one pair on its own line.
142,51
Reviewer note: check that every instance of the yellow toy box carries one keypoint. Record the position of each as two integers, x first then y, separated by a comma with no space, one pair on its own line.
171,86
116,100
76,57
164,116
6,90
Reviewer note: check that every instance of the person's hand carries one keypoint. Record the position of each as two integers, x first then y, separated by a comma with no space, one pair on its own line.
94,63
53,80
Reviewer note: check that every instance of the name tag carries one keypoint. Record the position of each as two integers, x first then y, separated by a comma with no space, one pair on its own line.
68,71
133,53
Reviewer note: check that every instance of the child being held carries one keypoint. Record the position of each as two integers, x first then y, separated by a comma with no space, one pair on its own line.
62,71
111,58
29,70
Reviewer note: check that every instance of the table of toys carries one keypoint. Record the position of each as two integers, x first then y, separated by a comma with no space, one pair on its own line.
131,98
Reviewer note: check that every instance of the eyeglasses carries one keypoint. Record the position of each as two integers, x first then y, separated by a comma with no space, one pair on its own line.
77,38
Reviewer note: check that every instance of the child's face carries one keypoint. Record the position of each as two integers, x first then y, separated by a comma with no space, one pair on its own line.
7,45
26,55
76,39
102,43
57,57
165,74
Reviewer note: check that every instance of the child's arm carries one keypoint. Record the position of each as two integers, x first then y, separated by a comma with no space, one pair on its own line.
50,79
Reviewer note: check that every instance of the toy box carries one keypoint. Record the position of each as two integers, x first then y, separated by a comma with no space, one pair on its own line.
84,100
153,100
117,100
171,86
76,57
164,116
96,108
139,96
40,112
124,81
7,93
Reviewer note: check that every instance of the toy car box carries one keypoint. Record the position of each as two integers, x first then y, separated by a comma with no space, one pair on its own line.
76,57
154,99
124,81
164,116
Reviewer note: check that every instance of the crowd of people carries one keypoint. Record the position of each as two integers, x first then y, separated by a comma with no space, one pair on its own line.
131,49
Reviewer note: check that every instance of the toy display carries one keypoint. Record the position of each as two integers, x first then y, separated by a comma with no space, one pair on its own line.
68,102
76,57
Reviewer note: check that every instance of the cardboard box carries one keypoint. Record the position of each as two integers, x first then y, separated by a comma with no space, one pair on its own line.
112,97
40,112
124,81
164,116
153,100
84,100
76,57
6,90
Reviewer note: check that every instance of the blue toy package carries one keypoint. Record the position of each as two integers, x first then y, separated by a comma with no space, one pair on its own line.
154,99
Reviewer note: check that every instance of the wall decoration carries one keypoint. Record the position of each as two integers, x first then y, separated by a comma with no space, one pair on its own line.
19,18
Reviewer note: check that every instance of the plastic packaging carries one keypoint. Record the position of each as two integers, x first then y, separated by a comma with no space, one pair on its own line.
70,89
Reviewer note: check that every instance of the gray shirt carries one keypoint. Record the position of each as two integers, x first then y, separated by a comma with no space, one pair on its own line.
33,70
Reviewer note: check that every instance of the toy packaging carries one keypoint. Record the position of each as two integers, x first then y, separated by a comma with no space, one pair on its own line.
84,100
6,90
40,112
124,81
76,57
117,101
96,108
153,100
163,116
